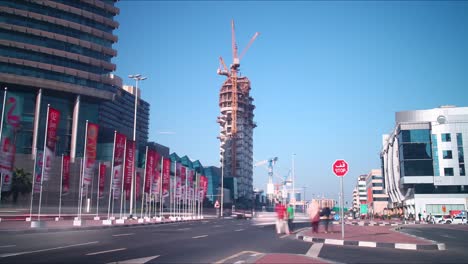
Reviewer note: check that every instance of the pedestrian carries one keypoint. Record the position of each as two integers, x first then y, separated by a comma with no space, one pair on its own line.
314,214
290,217
419,216
326,217
280,220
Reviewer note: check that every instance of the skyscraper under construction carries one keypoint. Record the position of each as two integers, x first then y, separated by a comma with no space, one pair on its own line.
236,125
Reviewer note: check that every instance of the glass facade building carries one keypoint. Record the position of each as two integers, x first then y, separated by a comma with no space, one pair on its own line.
423,161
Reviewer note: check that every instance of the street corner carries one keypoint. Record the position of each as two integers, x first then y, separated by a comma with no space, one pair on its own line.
242,257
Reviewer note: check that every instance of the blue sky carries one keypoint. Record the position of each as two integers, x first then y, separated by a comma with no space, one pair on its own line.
327,77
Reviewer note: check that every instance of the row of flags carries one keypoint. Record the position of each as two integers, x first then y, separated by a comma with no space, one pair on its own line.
156,179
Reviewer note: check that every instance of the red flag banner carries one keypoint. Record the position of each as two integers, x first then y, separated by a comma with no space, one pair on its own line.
138,184
149,169
91,152
119,150
203,187
11,123
178,179
66,175
183,176
156,174
166,177
102,179
129,164
53,120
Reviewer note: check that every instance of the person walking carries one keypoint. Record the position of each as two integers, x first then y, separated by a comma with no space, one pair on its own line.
326,217
314,214
280,220
290,217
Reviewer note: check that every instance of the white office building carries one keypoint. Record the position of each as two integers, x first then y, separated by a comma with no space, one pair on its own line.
423,161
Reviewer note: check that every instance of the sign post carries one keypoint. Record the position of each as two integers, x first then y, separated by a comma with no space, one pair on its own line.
340,168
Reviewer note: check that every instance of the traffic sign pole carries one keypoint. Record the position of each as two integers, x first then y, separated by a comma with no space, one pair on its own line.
340,168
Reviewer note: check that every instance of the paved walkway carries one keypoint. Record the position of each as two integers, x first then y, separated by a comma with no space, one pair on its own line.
369,236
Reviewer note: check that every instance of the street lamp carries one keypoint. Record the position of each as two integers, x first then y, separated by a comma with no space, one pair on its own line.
222,185
136,77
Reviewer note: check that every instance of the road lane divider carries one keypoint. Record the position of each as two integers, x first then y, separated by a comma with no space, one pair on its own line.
46,249
128,234
238,230
7,246
106,251
200,236
136,261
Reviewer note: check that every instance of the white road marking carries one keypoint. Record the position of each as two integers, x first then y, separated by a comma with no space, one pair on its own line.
239,262
47,249
182,229
334,242
283,236
217,226
254,255
135,261
367,244
405,246
314,250
447,236
200,236
129,234
7,246
106,251
239,230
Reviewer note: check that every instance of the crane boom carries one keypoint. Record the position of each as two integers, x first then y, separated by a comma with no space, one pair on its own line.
248,45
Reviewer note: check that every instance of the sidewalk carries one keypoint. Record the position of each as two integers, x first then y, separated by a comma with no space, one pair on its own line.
370,236
288,258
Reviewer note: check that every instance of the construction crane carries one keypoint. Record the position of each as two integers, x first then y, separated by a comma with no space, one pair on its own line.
271,162
232,75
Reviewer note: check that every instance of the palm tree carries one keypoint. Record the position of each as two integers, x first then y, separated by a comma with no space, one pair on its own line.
21,184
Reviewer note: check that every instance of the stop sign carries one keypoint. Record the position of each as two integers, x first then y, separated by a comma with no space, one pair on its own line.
340,168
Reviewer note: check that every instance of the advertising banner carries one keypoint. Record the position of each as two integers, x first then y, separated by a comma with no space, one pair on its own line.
178,179
203,187
166,180
138,183
183,177
51,140
155,185
11,123
66,175
91,151
38,171
102,179
117,171
149,169
129,164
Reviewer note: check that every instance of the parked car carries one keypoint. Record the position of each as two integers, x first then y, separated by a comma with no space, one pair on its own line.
455,220
437,219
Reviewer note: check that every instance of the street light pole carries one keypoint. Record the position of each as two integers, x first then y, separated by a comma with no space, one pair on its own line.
136,77
222,185
293,181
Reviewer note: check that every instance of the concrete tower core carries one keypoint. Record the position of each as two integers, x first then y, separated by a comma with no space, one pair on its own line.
237,147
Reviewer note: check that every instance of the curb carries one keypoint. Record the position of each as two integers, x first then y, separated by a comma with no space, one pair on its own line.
54,230
373,224
339,242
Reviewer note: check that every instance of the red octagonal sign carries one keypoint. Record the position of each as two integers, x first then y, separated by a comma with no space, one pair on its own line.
340,168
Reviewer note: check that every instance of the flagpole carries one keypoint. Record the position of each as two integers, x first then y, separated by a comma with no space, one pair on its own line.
123,174
1,134
43,165
144,182
161,200
111,189
98,189
83,172
61,186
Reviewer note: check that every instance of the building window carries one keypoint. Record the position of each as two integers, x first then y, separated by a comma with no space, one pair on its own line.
446,137
447,154
462,170
459,140
461,157
448,171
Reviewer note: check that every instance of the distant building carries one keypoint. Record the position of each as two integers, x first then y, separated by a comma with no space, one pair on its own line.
377,199
423,161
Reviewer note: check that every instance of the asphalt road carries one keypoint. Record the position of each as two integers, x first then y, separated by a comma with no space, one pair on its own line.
454,237
207,241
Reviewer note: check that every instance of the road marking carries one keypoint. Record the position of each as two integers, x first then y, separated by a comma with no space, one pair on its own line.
334,242
367,244
283,236
235,256
129,234
447,236
136,261
314,250
217,226
239,230
106,251
7,246
47,249
239,262
182,229
405,246
200,236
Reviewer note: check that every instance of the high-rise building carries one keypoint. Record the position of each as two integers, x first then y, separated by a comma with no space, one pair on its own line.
60,53
360,196
423,161
236,149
